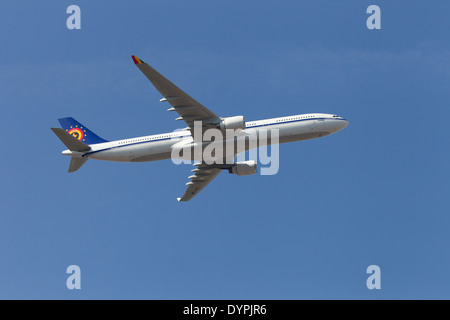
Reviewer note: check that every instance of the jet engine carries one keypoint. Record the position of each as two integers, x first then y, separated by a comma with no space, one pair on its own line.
236,122
244,168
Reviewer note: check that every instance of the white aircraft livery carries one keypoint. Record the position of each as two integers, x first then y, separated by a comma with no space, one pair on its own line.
189,143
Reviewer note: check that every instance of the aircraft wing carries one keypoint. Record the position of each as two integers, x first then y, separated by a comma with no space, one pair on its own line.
188,108
202,176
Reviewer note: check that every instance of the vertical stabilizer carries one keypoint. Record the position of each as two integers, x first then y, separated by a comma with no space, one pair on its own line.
80,131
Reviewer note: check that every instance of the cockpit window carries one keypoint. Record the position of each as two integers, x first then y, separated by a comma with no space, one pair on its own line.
335,116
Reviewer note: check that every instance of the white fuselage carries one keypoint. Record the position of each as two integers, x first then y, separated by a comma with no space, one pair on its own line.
160,146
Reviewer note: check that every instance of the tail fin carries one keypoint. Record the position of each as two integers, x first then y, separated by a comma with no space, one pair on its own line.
79,131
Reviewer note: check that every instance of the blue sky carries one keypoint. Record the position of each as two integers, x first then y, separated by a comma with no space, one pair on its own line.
374,193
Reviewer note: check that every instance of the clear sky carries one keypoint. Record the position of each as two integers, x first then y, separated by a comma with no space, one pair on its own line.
375,193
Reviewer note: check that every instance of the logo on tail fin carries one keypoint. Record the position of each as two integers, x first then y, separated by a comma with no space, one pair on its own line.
78,133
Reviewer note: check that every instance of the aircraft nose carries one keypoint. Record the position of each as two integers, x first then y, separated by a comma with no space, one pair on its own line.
340,124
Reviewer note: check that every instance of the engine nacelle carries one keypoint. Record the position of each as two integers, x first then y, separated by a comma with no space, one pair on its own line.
244,168
236,122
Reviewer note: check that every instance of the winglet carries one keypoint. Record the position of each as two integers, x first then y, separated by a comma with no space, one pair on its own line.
137,60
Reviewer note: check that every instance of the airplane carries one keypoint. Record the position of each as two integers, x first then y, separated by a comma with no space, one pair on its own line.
83,144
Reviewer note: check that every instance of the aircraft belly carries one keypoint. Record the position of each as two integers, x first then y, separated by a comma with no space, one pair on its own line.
153,151
151,157
113,154
305,131
303,136
135,153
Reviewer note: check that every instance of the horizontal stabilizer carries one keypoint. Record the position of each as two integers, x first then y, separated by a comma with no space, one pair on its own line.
76,163
72,143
